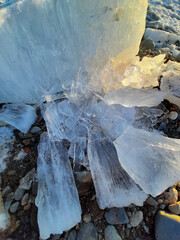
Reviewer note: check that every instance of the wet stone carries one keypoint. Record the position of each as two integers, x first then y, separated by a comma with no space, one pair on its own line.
6,191
116,216
13,207
87,232
111,233
136,218
72,235
25,198
35,129
19,193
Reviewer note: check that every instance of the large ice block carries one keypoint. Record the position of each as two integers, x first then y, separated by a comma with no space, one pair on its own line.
150,159
44,43
20,116
57,198
114,187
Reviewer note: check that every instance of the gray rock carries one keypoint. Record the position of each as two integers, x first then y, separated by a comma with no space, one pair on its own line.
83,181
177,58
35,129
72,235
116,216
87,232
6,191
19,193
110,233
136,218
167,226
13,207
162,206
174,208
9,200
173,115
172,195
87,218
148,44
151,201
25,199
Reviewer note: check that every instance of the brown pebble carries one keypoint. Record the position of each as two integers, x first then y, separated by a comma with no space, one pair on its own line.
27,207
171,195
77,226
160,201
27,141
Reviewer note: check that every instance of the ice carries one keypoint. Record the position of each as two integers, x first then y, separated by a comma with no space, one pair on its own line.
114,187
150,159
44,43
5,220
113,119
20,116
6,139
130,97
57,198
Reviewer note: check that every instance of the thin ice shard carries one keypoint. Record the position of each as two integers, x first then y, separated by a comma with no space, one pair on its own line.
20,116
114,187
57,199
131,97
150,159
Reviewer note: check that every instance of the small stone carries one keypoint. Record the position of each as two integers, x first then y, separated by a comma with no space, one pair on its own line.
129,225
162,206
27,141
13,207
110,233
174,208
151,201
87,218
116,216
160,201
167,226
27,150
173,115
83,181
34,188
136,218
27,207
72,235
35,129
6,191
172,195
11,172
9,200
87,232
177,58
26,181
148,44
19,193
25,199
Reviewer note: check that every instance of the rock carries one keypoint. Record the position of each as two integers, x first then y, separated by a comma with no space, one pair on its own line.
174,208
160,201
6,191
116,216
83,181
72,235
148,44
177,58
110,233
34,188
35,129
27,207
162,206
19,193
172,195
151,201
87,218
11,172
136,218
27,141
26,181
167,226
25,199
173,115
13,207
9,200
87,232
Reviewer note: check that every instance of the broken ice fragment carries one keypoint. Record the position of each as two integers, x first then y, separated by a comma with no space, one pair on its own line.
57,198
20,116
132,97
114,187
6,139
150,159
5,220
